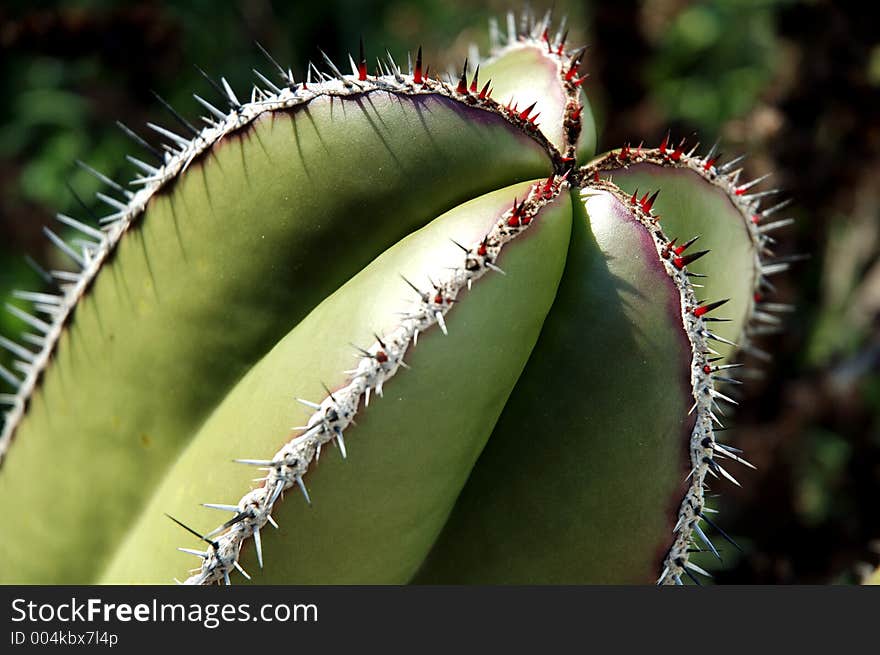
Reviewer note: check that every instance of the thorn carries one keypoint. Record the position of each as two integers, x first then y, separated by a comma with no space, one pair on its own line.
138,140
285,75
723,534
258,546
473,87
192,551
741,189
664,144
341,442
226,93
729,165
680,249
225,508
272,87
574,63
466,250
103,178
524,114
302,488
362,74
66,249
705,540
561,47
690,565
417,75
176,138
241,570
681,262
702,310
462,82
256,462
441,322
11,379
647,205
495,268
82,227
213,544
422,294
185,124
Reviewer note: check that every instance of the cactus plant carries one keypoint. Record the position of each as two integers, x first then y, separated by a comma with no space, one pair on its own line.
512,344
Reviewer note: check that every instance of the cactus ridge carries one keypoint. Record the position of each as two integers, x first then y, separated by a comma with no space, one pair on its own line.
762,316
532,33
96,246
376,364
704,447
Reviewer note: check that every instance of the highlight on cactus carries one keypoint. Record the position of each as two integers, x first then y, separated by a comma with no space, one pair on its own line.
389,325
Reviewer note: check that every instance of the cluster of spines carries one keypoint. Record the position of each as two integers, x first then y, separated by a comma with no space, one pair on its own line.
164,162
336,411
529,31
706,372
760,221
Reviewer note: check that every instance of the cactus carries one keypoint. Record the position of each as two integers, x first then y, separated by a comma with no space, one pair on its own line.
511,345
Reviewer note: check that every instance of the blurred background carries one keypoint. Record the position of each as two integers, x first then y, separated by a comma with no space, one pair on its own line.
794,84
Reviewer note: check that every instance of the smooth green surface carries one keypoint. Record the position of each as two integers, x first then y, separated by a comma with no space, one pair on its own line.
525,75
375,515
688,206
253,237
581,479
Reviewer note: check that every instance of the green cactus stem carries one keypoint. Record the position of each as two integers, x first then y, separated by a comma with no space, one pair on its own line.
502,345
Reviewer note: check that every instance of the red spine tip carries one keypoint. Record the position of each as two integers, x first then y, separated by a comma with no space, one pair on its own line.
362,64
473,86
664,144
417,73
524,114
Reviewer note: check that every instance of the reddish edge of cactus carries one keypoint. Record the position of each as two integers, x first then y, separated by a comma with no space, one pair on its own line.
385,356
760,221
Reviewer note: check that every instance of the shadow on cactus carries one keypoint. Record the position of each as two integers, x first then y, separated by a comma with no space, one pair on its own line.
512,365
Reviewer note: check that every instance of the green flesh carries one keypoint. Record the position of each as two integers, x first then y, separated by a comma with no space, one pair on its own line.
241,248
524,75
581,479
689,206
376,514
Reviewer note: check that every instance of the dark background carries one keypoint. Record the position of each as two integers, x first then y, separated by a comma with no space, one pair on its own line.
795,84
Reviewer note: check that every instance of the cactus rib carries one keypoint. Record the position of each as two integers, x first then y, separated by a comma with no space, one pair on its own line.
379,362
97,250
704,448
536,35
725,177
